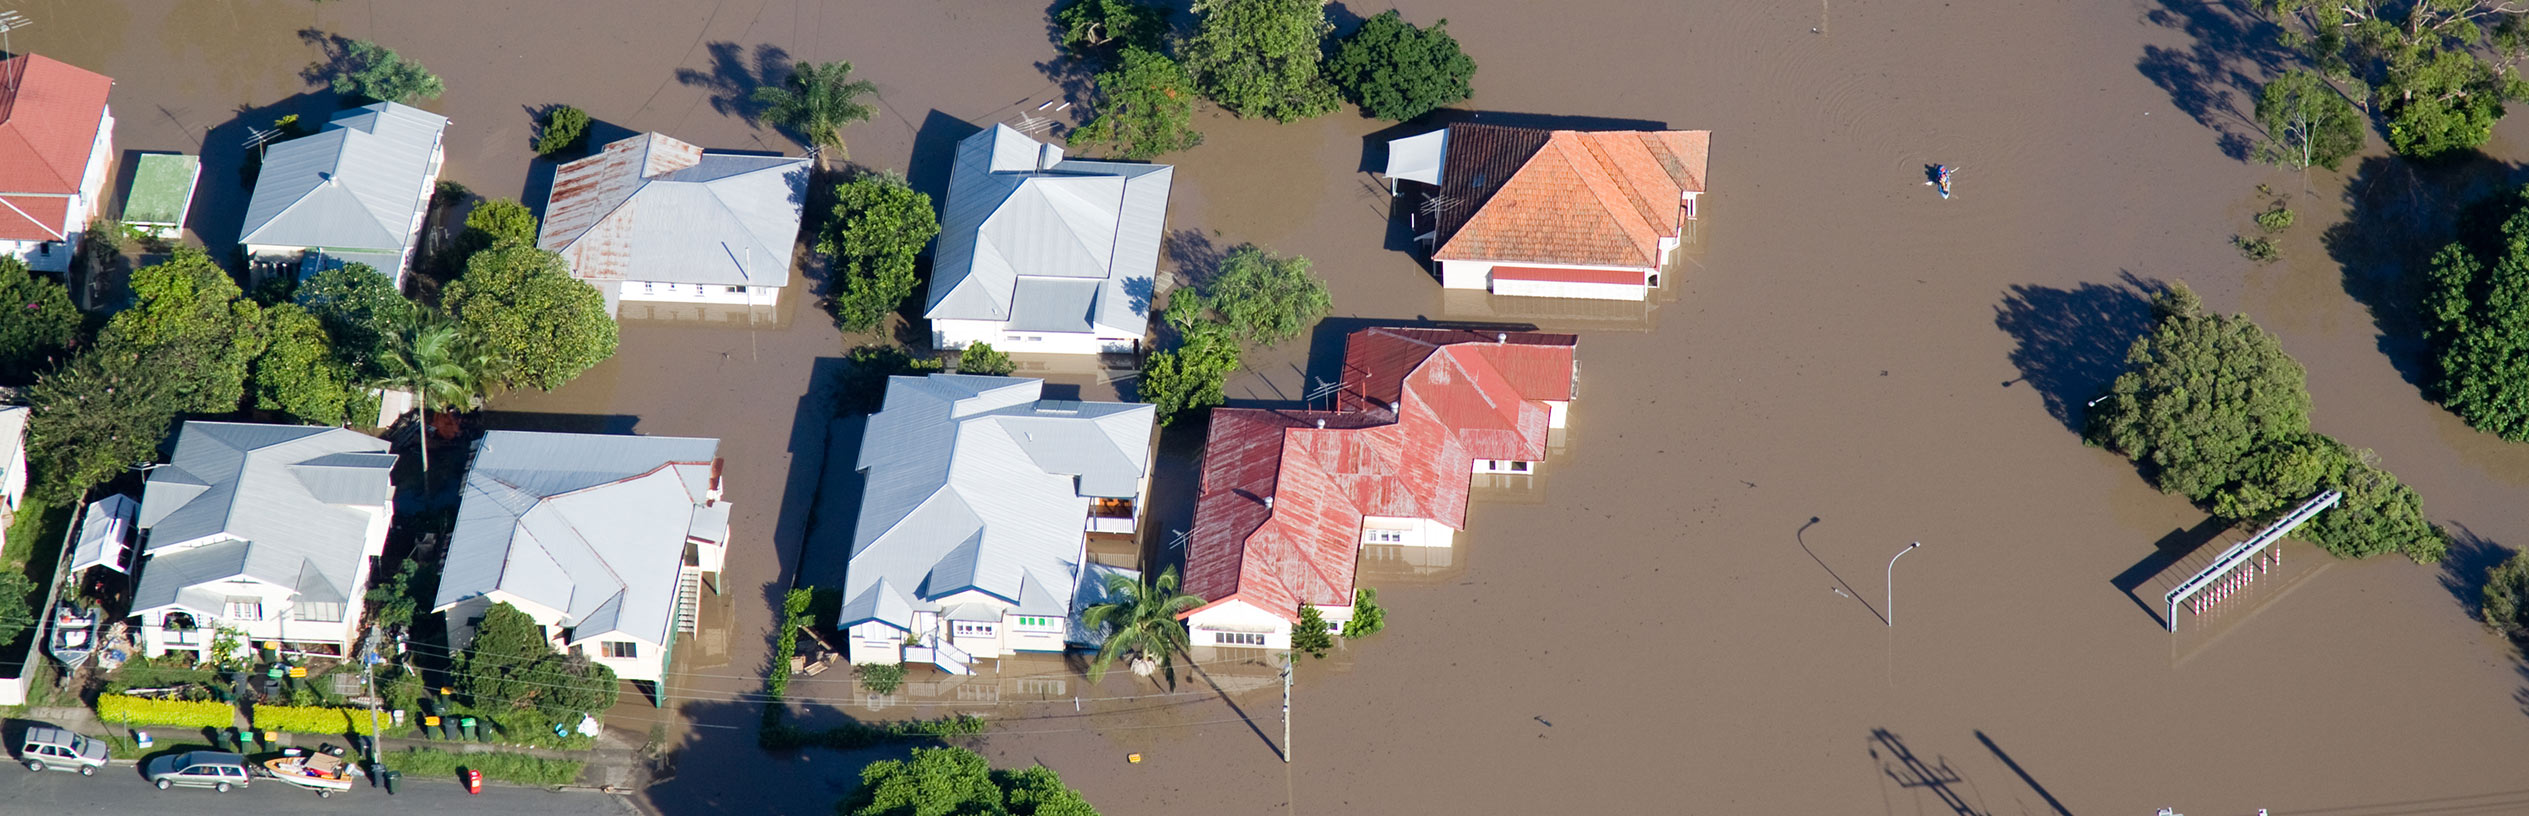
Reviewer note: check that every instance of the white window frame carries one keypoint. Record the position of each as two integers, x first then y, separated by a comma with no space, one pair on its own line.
1238,639
970,629
628,646
244,608
1376,536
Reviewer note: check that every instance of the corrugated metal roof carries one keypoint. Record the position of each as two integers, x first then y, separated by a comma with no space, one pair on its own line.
973,483
1055,305
357,185
238,484
1377,360
49,117
1277,521
651,208
105,531
1017,211
591,524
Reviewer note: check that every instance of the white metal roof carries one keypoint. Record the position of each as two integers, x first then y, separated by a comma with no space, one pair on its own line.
1417,158
105,532
651,208
356,185
1018,212
283,504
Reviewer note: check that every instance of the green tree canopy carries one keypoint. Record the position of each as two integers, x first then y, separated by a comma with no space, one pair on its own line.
359,309
863,383
1144,107
981,358
367,69
190,301
37,322
496,222
511,665
2506,597
2476,319
2445,104
1092,24
430,356
18,600
565,128
299,374
1309,634
879,227
2307,121
522,305
1261,57
1191,376
1396,71
1141,622
1267,298
959,782
816,102
106,411
2201,392
2441,70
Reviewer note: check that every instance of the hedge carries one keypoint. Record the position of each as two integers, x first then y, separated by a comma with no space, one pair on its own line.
315,720
129,710
502,766
856,736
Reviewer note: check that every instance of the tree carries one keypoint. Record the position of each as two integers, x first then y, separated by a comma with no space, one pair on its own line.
37,322
1265,298
959,782
190,301
2307,121
1367,616
511,665
496,222
104,412
17,605
1191,376
1310,634
1144,107
879,227
1091,24
2441,70
1142,622
863,385
980,358
431,357
2446,104
1260,57
1396,71
2506,597
359,309
299,374
2201,393
816,102
524,308
367,69
2476,319
565,129
2377,515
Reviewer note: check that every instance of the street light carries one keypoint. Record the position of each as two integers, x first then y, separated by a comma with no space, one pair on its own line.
1892,581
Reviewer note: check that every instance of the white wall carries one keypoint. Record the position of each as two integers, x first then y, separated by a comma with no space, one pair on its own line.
1557,413
1471,274
718,294
958,334
873,642
1405,532
42,256
1206,628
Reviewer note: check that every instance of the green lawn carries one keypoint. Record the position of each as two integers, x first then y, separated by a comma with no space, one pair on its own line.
496,765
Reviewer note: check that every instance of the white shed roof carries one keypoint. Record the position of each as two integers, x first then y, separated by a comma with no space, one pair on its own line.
1417,158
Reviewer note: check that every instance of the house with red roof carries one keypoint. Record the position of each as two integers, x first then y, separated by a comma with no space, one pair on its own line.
56,148
1553,213
1289,498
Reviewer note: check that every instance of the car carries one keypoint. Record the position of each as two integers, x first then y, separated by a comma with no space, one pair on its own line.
60,749
217,770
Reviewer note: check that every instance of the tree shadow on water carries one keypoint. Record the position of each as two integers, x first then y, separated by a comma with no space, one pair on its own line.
2463,570
2398,213
735,75
2215,79
2072,342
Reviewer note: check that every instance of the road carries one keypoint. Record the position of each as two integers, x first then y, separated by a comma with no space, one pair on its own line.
118,790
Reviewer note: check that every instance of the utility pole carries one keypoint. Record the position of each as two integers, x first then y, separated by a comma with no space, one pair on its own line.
369,671
1289,659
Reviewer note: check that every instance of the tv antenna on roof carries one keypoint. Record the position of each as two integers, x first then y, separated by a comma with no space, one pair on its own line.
1323,390
1179,540
12,20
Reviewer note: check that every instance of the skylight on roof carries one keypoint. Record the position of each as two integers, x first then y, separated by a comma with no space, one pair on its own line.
1058,406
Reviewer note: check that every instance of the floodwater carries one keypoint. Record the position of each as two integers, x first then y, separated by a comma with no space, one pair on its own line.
1677,616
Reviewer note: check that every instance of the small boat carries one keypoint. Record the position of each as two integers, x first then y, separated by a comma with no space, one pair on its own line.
1940,179
323,773
74,635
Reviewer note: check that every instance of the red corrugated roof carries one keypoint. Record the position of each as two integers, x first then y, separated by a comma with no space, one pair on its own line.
50,112
1278,519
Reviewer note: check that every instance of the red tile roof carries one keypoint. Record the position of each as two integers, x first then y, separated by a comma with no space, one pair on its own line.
1278,518
1602,198
49,115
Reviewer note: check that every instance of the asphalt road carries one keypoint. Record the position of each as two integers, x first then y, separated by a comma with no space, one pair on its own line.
119,791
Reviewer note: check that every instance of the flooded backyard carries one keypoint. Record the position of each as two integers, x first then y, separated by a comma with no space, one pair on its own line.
1676,615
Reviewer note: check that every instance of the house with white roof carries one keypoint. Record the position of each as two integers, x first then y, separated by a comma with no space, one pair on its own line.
354,192
978,497
605,540
266,529
1046,254
56,150
650,218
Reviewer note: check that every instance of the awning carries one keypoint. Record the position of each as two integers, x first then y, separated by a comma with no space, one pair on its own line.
1417,158
1550,274
105,533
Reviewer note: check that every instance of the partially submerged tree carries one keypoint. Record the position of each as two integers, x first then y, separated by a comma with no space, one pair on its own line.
2506,597
38,324
959,782
1094,24
2307,122
564,129
879,228
1261,57
1144,107
1191,376
497,222
1396,71
522,305
2476,318
430,357
1267,298
2441,70
300,375
360,310
817,101
367,69
1311,634
981,358
2201,391
1141,622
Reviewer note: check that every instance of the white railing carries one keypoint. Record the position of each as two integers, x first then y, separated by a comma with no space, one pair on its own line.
2241,552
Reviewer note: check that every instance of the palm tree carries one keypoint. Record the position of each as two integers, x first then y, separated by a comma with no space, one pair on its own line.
1143,621
431,357
817,102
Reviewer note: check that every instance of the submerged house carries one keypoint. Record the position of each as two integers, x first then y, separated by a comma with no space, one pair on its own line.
977,500
605,540
1042,253
270,530
56,149
1289,498
1553,213
650,218
354,192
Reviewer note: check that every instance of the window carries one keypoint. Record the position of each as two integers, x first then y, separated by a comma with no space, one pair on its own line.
1384,537
316,611
1238,638
964,629
737,290
649,288
622,649
1518,467
1037,623
245,608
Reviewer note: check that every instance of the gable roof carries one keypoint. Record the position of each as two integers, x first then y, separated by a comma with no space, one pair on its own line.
978,483
1020,218
593,525
50,115
1589,198
1277,521
355,185
651,208
281,504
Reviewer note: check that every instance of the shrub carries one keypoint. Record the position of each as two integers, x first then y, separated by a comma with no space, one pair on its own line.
855,736
981,358
565,128
2261,250
2506,601
1367,616
313,720
2275,220
499,766
881,678
1310,635
128,710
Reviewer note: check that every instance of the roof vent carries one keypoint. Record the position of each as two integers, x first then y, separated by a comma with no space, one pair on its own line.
1501,337
1321,424
1268,502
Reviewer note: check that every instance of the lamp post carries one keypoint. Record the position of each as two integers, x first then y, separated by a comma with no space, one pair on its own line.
1892,581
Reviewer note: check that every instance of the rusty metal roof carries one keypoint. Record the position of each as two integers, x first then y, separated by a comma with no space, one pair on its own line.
651,208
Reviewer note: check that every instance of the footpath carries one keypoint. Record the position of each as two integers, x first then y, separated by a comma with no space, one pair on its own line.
613,766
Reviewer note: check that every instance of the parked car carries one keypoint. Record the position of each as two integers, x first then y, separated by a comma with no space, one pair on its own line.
216,770
59,749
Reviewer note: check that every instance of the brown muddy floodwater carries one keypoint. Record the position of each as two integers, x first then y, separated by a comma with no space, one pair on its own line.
1677,616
